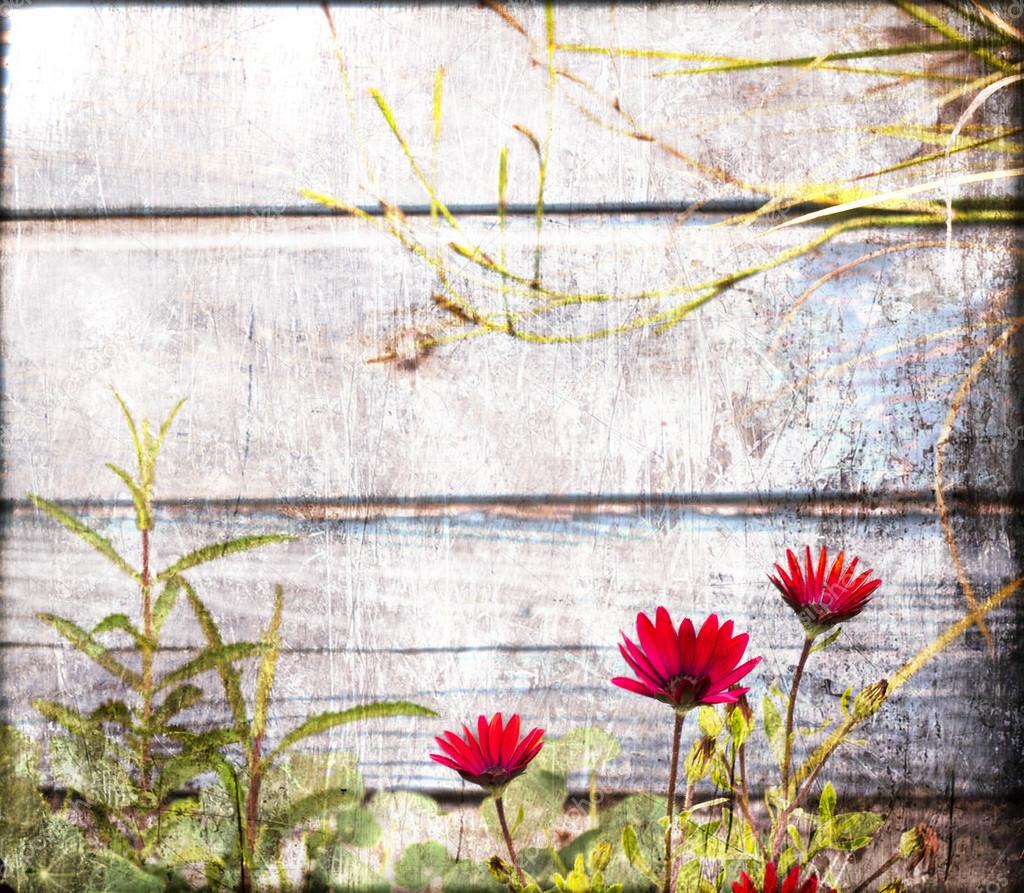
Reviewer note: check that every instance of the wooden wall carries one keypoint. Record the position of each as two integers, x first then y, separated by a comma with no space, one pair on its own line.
478,521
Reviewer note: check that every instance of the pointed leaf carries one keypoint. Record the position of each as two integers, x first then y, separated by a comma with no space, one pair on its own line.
85,643
143,519
822,644
211,659
268,666
100,543
121,623
164,604
631,847
773,728
68,717
220,550
322,722
139,456
177,700
165,426
230,678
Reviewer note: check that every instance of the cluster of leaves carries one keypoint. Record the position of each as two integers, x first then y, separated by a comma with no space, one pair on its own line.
133,819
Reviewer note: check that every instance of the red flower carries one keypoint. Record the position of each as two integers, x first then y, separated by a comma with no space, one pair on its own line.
494,756
685,668
822,601
771,882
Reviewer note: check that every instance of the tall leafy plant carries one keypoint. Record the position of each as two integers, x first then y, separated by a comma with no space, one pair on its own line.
130,759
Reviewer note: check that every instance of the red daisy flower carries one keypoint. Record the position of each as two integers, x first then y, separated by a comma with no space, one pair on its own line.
683,667
791,884
494,756
819,600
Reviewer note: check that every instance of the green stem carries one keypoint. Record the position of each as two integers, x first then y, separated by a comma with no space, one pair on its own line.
787,755
500,808
147,664
673,773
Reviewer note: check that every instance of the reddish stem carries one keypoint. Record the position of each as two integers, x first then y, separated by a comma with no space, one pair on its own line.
499,807
673,773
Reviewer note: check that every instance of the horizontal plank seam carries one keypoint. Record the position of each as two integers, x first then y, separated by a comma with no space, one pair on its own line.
710,207
983,501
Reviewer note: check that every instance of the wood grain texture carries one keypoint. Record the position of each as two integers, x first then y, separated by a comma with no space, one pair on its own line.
469,612
238,106
268,326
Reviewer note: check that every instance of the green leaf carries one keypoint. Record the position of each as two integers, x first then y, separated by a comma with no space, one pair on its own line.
82,530
422,864
121,623
358,827
467,876
220,550
271,640
774,728
139,455
230,677
92,649
165,603
165,426
822,644
710,721
850,831
634,854
322,722
177,700
211,659
827,803
587,748
143,517
113,711
739,726
68,717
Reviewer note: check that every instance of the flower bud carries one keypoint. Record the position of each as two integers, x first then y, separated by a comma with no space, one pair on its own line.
870,699
920,845
601,856
699,758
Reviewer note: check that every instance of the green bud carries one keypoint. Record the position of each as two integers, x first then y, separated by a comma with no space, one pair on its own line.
870,699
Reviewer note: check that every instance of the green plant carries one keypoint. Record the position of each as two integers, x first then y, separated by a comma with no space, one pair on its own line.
130,760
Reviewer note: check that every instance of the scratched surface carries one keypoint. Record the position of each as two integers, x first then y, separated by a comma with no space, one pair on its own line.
480,516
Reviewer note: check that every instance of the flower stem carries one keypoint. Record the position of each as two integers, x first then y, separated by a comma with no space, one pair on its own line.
787,756
500,808
147,663
673,772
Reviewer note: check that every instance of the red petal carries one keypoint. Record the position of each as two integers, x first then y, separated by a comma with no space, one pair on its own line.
634,686
494,735
510,739
705,643
667,643
483,739
444,761
649,643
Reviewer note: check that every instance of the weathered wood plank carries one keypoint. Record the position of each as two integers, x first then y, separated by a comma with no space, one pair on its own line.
467,615
239,106
270,327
